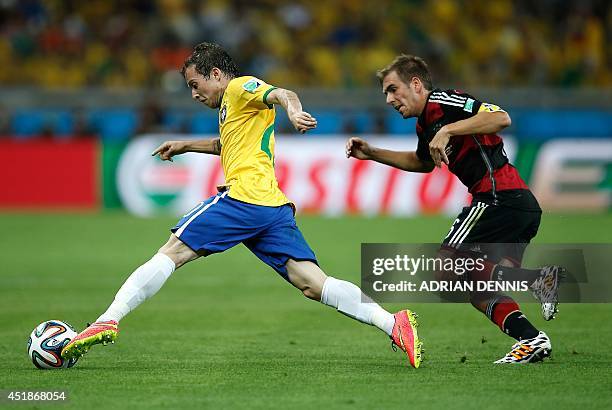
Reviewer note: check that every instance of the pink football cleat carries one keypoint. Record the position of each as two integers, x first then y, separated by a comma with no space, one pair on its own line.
405,336
99,332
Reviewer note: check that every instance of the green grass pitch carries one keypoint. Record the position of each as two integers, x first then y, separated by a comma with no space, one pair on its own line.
226,332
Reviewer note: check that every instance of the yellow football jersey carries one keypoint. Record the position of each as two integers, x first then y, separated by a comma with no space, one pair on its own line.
246,126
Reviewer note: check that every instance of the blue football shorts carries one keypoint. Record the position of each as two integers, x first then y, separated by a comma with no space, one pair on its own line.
221,222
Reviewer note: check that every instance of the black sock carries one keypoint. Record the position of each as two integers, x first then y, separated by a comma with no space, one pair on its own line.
517,326
505,273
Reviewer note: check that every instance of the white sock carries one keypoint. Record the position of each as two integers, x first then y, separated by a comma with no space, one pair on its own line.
346,298
141,285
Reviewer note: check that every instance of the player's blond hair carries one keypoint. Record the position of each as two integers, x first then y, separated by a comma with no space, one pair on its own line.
407,67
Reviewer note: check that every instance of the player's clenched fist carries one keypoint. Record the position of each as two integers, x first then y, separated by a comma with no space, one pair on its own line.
169,149
358,148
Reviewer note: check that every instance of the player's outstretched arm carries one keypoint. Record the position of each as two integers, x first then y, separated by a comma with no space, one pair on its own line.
404,160
171,148
301,120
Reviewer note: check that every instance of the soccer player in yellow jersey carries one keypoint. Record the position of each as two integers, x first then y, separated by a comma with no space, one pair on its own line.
249,208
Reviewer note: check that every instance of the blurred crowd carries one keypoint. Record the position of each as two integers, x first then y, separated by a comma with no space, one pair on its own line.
318,43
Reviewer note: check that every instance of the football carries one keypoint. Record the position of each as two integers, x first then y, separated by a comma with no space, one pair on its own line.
46,343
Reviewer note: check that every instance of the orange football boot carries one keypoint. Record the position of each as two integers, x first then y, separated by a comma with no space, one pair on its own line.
99,332
405,336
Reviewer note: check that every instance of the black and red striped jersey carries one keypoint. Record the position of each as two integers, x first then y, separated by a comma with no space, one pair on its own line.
479,161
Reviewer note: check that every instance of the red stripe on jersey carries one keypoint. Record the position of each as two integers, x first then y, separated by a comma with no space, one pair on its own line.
468,144
506,177
433,112
489,139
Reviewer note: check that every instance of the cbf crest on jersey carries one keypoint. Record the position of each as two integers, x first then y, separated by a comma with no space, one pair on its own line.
222,114
252,85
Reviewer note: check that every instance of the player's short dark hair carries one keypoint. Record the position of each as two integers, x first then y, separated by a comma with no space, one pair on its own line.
206,56
408,66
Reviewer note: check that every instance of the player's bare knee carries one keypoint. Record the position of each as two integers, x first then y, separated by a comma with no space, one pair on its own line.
312,289
307,277
312,293
178,251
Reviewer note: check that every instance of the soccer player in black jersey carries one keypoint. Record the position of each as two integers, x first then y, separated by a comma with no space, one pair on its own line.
460,131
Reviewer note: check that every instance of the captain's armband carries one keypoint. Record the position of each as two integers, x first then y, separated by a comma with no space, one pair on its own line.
486,107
